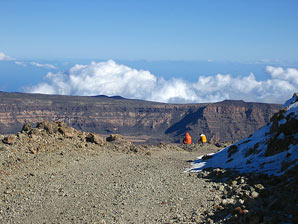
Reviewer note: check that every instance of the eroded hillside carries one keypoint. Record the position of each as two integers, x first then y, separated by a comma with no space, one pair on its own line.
224,121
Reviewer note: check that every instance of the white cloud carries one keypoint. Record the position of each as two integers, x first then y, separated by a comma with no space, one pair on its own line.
20,63
106,78
4,57
290,74
110,78
43,65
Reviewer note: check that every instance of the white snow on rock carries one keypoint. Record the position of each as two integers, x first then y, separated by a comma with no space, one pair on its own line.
290,101
293,108
251,154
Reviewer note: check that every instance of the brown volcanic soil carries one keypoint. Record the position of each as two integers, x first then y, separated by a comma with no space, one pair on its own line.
56,174
102,185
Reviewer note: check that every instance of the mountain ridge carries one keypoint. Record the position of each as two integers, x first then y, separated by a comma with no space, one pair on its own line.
222,121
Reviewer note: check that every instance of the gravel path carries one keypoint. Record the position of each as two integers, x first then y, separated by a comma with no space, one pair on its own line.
56,174
104,187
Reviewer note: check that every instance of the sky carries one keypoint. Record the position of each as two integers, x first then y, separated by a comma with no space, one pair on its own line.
179,43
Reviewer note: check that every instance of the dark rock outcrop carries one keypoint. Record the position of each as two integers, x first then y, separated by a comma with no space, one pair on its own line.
224,121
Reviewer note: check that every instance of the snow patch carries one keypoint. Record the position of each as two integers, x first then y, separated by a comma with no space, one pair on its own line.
290,101
293,108
283,121
249,154
281,136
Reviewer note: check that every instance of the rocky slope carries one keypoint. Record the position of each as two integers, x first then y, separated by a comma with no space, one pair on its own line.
272,150
268,159
224,121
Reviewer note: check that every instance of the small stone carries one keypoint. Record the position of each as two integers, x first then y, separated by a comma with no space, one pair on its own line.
237,210
200,175
259,186
241,201
178,217
221,188
20,135
114,137
254,194
148,154
234,182
252,188
244,211
217,207
33,151
102,222
196,218
27,127
8,191
210,221
217,198
34,137
10,139
227,201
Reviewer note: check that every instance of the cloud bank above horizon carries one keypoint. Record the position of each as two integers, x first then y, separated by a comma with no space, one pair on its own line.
4,57
111,79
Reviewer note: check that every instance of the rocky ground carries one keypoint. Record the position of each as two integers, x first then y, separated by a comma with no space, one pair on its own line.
56,174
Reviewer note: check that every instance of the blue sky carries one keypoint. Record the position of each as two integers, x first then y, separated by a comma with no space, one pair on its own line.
150,30
172,40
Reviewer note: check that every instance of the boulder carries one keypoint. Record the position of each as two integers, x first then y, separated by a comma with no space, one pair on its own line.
10,139
27,127
66,132
95,138
115,137
34,133
50,127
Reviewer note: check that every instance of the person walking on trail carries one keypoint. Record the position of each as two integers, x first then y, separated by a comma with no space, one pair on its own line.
187,139
203,138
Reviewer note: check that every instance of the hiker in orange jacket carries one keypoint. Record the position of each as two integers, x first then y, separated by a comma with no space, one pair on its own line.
187,139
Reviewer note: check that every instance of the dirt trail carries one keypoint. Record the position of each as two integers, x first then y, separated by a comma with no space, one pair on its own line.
104,187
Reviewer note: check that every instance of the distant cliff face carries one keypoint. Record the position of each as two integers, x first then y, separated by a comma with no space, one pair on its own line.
224,121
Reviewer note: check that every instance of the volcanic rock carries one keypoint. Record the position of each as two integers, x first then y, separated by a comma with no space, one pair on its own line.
27,127
223,121
67,132
114,137
266,186
10,139
273,149
95,138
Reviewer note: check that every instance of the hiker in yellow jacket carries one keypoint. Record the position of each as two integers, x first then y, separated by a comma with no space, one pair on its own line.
203,139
